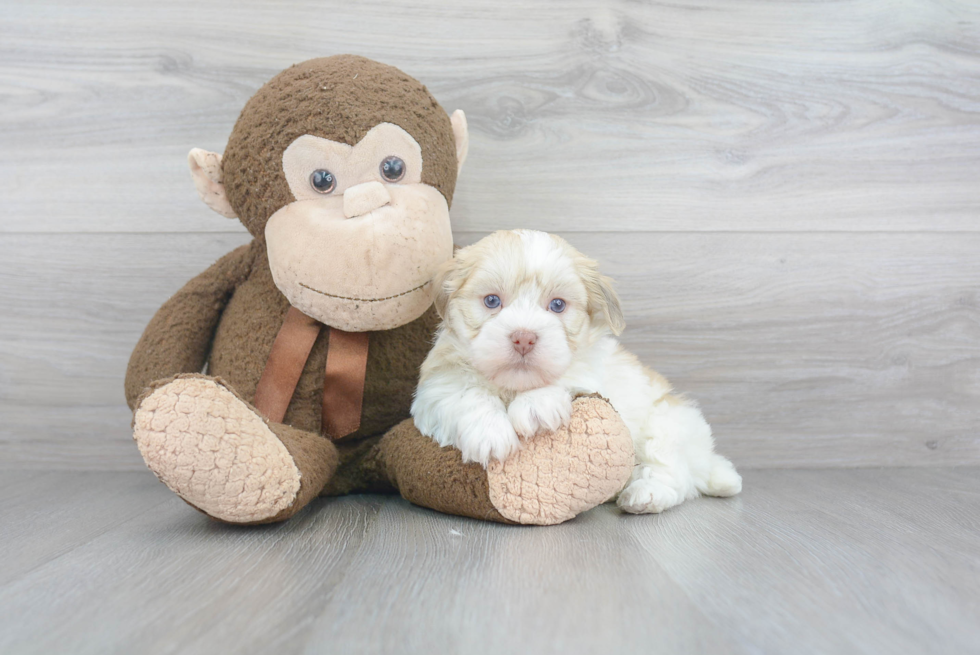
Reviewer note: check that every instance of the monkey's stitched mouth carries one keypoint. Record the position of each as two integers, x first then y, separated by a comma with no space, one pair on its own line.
397,295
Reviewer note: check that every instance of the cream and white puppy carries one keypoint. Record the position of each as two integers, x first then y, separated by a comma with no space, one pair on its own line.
529,323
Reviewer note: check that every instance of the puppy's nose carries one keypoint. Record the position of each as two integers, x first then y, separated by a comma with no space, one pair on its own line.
363,198
524,341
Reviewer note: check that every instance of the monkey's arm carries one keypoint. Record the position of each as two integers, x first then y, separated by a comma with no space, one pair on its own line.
178,337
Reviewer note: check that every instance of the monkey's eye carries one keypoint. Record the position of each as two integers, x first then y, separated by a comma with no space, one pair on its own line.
392,169
491,301
323,181
557,305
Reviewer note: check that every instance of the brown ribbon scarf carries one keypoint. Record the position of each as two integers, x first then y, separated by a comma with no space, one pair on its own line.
343,384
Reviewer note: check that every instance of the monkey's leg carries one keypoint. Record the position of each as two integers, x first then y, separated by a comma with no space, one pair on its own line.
555,477
216,452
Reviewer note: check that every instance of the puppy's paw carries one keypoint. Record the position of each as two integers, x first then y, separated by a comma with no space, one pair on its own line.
647,496
490,437
547,408
724,480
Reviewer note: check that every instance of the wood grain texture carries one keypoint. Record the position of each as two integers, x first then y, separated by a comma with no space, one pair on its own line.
832,561
618,115
787,193
803,350
47,514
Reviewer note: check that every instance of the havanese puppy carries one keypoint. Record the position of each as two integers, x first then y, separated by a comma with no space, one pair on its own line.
529,323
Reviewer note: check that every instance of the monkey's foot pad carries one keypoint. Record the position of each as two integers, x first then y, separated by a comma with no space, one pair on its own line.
214,451
561,474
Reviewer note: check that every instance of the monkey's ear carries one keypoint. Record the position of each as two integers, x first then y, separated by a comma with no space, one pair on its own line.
462,135
206,170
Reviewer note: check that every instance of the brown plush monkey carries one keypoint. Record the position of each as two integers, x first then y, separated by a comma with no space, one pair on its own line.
343,170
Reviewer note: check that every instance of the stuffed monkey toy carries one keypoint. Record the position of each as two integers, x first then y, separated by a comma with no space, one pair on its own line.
286,370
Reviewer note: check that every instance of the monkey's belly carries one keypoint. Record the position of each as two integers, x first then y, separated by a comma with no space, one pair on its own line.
249,326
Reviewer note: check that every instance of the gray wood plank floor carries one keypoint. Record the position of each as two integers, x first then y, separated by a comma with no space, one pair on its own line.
804,561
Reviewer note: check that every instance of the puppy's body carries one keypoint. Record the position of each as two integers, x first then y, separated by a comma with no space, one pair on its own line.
528,323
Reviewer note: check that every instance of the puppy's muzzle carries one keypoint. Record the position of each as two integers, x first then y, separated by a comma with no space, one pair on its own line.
523,341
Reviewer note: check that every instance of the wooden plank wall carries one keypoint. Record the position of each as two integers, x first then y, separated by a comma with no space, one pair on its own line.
787,192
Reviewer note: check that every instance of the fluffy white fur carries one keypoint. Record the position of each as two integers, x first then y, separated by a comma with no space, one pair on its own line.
479,393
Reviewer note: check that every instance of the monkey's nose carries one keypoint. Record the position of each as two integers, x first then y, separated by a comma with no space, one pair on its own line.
363,198
523,341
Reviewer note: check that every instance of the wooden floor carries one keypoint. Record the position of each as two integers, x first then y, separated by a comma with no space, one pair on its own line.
804,561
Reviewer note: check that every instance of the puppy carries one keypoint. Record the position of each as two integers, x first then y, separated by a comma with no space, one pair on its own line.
529,323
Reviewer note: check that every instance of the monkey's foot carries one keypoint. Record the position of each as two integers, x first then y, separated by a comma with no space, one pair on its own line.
211,449
561,474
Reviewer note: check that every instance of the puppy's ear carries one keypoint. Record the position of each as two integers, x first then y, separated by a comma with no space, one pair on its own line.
603,300
447,281
611,306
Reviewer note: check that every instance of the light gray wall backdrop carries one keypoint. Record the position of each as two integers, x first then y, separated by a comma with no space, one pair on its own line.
788,194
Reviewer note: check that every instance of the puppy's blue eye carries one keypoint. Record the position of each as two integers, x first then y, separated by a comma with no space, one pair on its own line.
557,305
491,301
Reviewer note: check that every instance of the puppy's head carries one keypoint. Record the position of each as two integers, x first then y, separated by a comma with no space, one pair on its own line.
524,302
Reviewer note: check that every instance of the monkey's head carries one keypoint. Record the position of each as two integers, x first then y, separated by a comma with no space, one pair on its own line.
346,168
